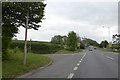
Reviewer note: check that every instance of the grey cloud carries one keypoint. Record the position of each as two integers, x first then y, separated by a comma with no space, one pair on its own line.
94,13
84,18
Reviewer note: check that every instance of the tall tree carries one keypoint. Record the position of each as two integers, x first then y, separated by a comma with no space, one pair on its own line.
57,39
71,41
89,42
64,39
116,40
104,44
25,14
78,41
8,30
82,45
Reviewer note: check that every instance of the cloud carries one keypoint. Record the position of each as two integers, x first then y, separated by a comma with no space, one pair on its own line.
83,0
90,12
85,18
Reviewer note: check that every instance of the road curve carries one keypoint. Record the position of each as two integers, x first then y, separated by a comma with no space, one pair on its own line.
86,64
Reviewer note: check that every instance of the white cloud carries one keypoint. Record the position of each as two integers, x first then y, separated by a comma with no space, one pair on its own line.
84,0
85,19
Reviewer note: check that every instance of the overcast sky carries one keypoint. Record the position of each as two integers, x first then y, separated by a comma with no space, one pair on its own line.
85,18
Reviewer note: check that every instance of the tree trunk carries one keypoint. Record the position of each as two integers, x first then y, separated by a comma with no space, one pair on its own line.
25,46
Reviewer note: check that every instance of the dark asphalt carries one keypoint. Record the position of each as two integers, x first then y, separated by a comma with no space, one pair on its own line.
87,64
97,65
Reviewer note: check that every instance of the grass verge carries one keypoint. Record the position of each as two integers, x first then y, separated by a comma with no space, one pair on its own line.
109,50
64,51
13,67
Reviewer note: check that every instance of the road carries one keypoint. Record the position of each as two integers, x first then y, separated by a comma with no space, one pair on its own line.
86,64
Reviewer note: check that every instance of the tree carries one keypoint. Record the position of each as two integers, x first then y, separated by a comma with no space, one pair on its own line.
116,41
64,39
116,38
25,14
57,39
104,44
89,42
78,42
71,41
82,45
8,31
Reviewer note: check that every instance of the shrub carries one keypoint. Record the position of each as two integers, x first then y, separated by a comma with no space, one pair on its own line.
82,46
37,47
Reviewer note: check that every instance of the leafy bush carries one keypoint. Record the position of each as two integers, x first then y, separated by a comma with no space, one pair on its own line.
71,41
82,45
37,47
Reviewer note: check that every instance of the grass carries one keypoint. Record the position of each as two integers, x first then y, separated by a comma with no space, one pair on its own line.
0,69
13,67
64,51
110,50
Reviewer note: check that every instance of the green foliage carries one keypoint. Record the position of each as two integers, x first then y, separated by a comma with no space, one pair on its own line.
14,14
71,41
37,47
44,48
89,42
78,42
64,51
104,44
8,31
116,46
58,39
13,67
116,41
82,45
17,13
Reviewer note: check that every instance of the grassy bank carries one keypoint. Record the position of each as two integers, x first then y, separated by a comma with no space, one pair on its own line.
64,51
109,50
14,67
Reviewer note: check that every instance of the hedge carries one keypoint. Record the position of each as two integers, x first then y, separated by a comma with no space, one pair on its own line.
37,47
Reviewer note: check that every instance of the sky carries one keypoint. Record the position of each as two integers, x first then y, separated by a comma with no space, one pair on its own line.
85,18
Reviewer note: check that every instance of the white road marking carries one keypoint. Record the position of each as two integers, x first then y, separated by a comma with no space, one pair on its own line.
81,60
75,68
78,64
82,57
71,75
110,57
